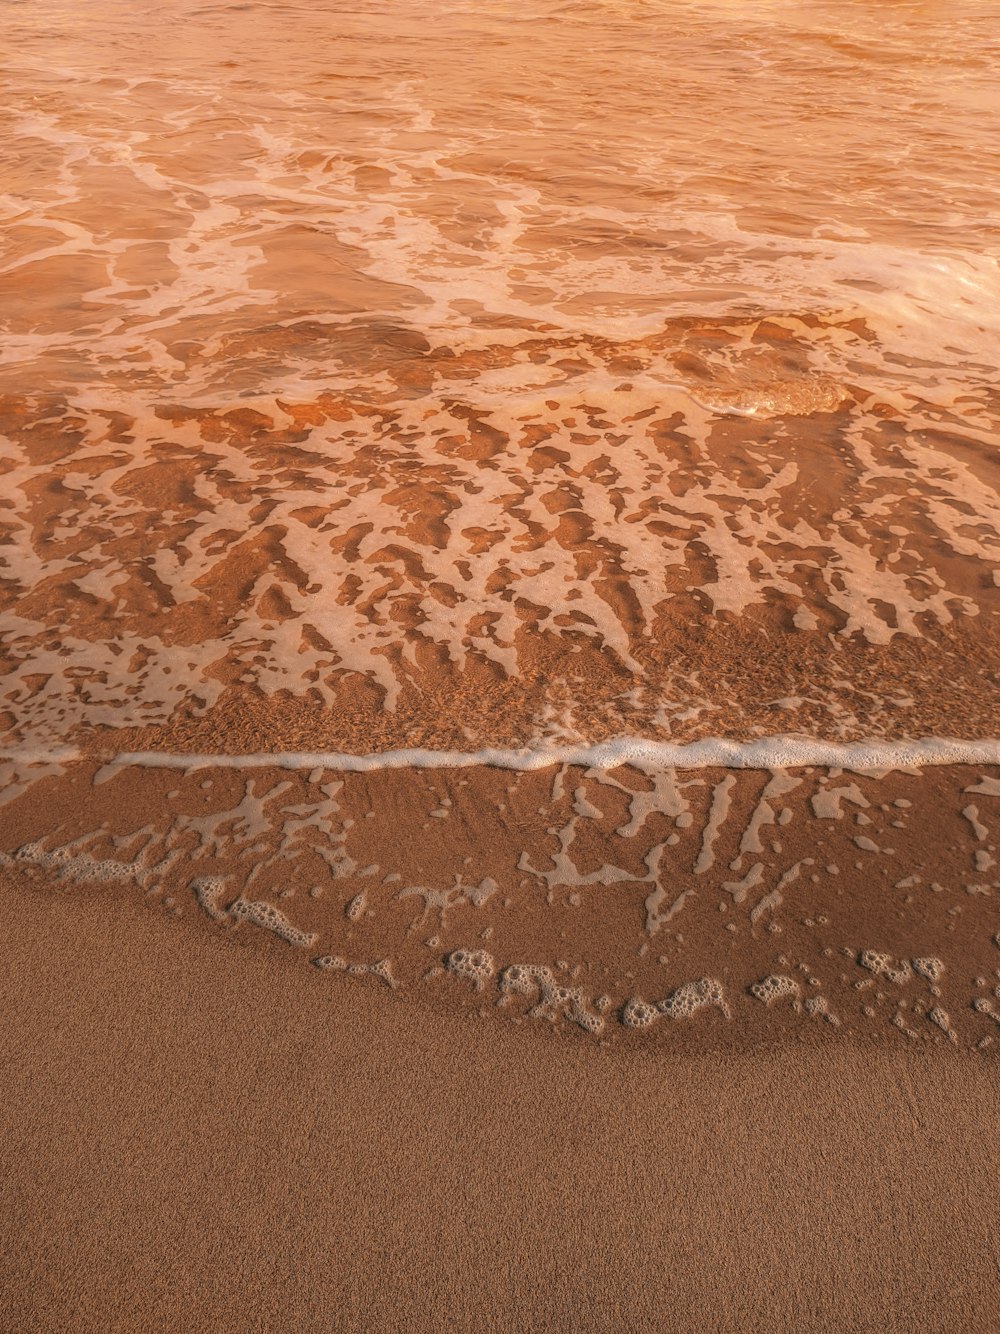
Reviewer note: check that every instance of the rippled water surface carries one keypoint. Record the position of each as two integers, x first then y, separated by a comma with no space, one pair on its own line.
466,373
450,377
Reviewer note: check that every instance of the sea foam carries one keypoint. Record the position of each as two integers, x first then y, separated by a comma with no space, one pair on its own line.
774,752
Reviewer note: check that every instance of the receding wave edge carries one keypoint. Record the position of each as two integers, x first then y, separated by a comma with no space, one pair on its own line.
774,752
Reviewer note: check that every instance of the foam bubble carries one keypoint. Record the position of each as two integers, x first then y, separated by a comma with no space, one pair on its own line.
691,997
930,968
207,893
476,965
552,998
269,918
942,1020
356,907
638,1013
818,1008
382,968
776,986
883,965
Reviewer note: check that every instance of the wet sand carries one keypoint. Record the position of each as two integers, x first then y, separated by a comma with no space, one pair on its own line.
195,1136
683,907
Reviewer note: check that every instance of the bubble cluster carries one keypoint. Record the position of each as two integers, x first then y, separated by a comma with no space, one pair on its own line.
552,998
899,1022
79,868
817,1008
775,987
930,968
270,918
475,965
983,1005
883,965
207,893
691,997
355,909
942,1020
638,1013
382,969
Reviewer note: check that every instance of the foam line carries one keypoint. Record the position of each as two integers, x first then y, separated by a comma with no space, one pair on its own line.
776,752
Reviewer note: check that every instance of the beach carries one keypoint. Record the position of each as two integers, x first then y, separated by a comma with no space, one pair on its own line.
195,1135
499,666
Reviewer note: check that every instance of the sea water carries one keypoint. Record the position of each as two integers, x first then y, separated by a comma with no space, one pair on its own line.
524,392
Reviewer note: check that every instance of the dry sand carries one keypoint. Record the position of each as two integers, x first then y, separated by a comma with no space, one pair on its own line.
196,1136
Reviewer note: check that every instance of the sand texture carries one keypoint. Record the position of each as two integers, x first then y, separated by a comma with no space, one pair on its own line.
417,421
196,1137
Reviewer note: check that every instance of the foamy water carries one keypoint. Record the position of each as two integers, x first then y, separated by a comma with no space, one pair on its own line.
522,371
777,752
505,498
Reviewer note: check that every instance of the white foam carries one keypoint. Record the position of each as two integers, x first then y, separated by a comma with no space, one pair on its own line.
774,987
716,819
775,752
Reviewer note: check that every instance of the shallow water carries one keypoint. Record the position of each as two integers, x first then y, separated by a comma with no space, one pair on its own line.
185,182
386,391
685,905
553,366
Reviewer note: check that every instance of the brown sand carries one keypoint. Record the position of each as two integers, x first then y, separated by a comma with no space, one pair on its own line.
197,1137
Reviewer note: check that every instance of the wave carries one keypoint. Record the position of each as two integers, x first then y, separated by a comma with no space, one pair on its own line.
775,752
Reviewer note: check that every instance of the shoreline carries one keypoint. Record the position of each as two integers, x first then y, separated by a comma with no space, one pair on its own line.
781,751
736,903
308,1158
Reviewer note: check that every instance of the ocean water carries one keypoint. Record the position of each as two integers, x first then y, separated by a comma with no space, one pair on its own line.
585,368
499,386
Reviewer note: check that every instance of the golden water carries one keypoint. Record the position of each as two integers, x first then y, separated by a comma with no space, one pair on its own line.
456,376
502,352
